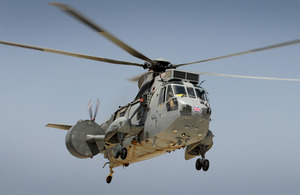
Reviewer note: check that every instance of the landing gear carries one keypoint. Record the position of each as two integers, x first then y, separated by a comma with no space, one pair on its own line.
205,165
110,176
123,153
118,152
202,164
108,179
199,164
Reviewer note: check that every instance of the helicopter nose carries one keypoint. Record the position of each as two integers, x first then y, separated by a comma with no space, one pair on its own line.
185,109
192,108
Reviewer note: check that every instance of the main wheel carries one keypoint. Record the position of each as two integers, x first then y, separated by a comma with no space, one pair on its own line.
108,179
199,164
205,165
116,152
123,153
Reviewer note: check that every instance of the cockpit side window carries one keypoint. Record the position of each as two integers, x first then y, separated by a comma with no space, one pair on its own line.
191,92
161,98
170,93
201,94
179,90
172,103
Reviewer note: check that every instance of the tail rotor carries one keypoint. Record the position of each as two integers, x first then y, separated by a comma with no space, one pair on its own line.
93,117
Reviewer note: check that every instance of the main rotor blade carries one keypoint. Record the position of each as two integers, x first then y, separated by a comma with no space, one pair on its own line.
244,52
59,126
248,77
72,54
101,31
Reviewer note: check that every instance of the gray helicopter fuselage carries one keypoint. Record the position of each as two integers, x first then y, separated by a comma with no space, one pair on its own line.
176,114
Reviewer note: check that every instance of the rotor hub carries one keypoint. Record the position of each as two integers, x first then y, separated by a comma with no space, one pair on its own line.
158,65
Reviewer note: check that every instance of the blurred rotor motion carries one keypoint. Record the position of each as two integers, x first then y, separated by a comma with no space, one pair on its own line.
244,52
157,65
93,117
247,77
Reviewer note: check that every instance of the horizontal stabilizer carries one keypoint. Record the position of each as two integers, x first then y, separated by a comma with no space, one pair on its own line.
59,126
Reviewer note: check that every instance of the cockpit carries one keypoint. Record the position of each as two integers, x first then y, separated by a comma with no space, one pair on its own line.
177,90
173,92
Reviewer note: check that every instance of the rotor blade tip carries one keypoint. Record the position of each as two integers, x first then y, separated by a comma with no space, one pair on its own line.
54,3
59,5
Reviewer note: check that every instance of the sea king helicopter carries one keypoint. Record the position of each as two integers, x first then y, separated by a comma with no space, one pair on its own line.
171,110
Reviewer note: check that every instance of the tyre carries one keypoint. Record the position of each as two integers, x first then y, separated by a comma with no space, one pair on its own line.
123,153
108,179
116,152
199,164
205,165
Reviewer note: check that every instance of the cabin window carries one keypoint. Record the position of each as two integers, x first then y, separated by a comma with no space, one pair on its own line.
179,90
201,94
191,92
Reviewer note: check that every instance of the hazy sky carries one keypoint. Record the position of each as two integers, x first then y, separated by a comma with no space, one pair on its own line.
256,123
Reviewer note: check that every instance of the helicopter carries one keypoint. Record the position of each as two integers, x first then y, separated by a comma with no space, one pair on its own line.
170,111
